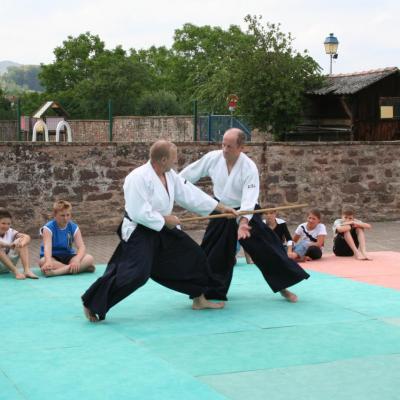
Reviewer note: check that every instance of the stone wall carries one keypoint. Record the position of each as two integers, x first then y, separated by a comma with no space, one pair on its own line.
133,129
125,129
8,130
324,175
149,129
89,131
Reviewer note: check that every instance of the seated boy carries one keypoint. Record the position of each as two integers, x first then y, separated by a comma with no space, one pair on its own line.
308,239
279,227
57,256
349,237
13,246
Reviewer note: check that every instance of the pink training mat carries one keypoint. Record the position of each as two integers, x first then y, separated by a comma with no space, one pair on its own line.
382,270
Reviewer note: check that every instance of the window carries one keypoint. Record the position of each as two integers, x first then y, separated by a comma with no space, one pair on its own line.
389,107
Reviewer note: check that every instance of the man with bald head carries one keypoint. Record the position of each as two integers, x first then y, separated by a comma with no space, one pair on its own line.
151,245
236,183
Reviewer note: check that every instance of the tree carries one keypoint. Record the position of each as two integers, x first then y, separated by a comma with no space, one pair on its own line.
205,63
159,102
115,76
73,64
31,101
272,77
6,111
160,63
85,76
258,65
203,57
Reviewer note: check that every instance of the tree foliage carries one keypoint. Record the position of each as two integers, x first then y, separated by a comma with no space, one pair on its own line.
273,77
204,55
85,76
204,63
73,63
6,111
259,65
159,102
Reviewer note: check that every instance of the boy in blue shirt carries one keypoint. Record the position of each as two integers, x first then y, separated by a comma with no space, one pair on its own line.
57,255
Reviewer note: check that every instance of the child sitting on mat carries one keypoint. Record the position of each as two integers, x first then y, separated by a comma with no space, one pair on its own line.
308,239
13,246
57,256
349,237
279,226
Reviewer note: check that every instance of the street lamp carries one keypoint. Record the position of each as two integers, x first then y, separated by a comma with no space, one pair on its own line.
331,44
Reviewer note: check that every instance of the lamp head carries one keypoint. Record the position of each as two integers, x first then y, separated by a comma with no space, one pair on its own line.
331,44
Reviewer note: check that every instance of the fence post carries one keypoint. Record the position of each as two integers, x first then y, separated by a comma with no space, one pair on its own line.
209,127
195,120
19,120
110,121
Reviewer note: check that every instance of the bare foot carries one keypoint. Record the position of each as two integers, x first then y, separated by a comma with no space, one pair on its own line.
91,268
31,275
248,259
18,275
289,296
367,256
89,315
359,256
201,303
57,271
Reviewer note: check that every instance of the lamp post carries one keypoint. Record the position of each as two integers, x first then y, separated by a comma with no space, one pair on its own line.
331,45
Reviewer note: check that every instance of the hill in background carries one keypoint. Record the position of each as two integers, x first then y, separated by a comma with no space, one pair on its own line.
5,64
17,78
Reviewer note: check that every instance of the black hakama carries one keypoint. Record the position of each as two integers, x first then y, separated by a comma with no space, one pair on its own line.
169,257
263,246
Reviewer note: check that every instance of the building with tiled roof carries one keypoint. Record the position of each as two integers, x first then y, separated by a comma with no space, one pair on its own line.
356,106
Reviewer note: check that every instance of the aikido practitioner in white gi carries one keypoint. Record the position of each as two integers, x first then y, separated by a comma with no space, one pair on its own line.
236,183
151,245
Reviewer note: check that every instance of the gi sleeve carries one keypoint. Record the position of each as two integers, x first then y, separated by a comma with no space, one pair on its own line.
192,198
251,191
138,205
197,170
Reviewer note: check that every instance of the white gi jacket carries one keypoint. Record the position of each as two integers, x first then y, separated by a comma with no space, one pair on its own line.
240,188
147,200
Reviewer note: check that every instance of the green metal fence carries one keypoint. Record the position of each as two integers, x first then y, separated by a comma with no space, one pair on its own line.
211,128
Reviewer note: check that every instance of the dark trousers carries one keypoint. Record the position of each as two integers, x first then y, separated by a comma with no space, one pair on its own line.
169,257
340,246
264,247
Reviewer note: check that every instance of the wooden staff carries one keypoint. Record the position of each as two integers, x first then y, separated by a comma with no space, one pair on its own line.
260,211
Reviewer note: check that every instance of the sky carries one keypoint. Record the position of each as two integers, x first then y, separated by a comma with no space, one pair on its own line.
368,31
